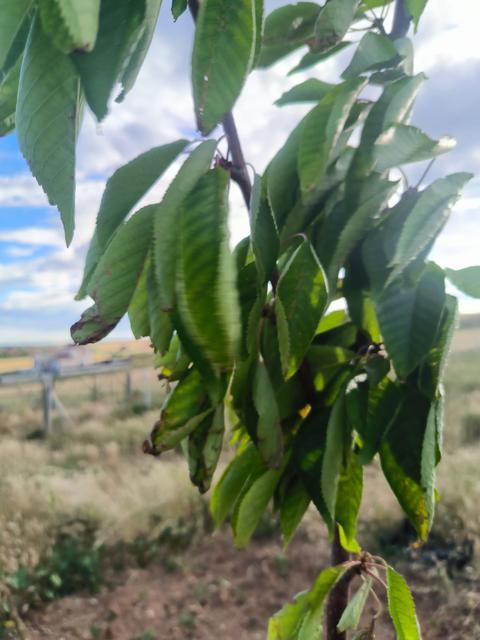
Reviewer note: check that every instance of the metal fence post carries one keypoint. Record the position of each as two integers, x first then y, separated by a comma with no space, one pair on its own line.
147,389
47,401
128,385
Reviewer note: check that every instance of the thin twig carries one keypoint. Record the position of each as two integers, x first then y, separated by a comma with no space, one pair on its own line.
239,170
376,577
426,172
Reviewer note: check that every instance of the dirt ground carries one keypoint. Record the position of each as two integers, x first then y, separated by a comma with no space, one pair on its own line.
219,592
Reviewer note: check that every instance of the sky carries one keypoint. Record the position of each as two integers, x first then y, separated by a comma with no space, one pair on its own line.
39,276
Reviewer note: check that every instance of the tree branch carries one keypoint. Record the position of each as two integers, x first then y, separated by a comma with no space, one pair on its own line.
239,171
338,599
401,21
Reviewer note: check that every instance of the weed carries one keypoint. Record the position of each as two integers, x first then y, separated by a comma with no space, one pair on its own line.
74,564
280,564
147,635
187,620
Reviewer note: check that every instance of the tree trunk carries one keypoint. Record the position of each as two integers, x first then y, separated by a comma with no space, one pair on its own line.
338,599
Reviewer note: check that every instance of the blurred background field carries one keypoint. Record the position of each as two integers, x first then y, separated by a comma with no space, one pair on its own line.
98,540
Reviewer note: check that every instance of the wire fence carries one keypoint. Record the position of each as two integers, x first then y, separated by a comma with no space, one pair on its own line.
59,396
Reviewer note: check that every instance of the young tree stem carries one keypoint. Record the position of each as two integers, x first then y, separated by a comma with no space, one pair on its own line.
401,21
338,600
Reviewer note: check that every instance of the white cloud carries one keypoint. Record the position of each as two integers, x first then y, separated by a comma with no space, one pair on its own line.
41,298
21,191
448,34
33,236
19,252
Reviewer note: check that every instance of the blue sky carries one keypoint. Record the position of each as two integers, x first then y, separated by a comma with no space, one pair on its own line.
39,276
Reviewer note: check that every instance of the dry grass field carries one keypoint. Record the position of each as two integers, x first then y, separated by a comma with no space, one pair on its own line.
99,541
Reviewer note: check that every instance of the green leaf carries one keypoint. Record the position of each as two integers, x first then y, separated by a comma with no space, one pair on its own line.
206,279
309,453
269,429
393,106
402,143
401,458
409,335
290,622
433,369
223,53
407,491
332,320
427,219
174,362
373,52
321,130
282,178
466,280
362,311
301,299
429,457
371,197
166,223
8,99
130,183
286,29
129,75
94,254
91,327
214,382
416,8
138,308
161,324
292,508
252,506
204,448
333,22
326,361
184,410
54,26
13,14
178,7
381,242
349,497
47,121
120,27
251,299
264,235
351,616
334,454
259,26
373,4
228,489
115,279
401,607
71,25
311,90
286,623
314,57
383,404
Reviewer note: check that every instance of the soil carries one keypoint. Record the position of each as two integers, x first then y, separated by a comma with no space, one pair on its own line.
217,591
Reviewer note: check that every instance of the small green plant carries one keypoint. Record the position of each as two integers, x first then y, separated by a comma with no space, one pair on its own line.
317,392
74,564
187,620
148,635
